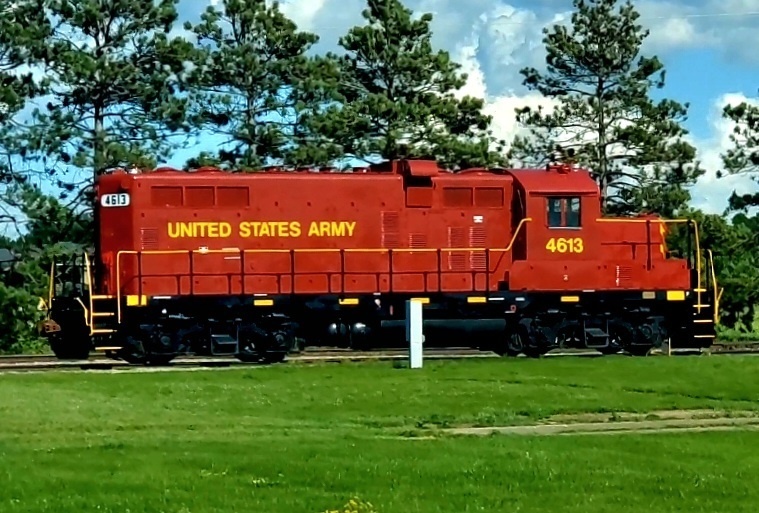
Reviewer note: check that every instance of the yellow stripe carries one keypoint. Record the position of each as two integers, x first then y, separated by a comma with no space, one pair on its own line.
263,302
476,299
423,300
570,299
349,301
675,295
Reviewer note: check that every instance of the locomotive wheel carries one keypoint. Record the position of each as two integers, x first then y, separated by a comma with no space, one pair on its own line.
250,337
621,337
73,344
273,357
517,341
569,335
134,353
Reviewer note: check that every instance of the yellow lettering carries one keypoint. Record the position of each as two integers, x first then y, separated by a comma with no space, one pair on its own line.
200,229
562,245
246,229
337,229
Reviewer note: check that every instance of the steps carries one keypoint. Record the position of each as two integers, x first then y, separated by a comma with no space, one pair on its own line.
704,330
103,319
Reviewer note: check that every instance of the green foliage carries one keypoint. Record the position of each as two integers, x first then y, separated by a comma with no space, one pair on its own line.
632,144
397,95
115,75
736,263
23,29
743,157
253,82
52,231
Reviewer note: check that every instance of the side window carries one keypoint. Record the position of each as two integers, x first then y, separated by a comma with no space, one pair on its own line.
554,211
563,212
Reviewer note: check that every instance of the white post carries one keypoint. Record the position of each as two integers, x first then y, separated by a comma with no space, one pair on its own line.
414,335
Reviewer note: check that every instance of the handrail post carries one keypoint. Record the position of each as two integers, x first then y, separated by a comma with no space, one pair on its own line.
648,244
439,254
390,268
487,271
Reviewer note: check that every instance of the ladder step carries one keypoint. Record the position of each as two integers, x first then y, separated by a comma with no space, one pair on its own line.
103,314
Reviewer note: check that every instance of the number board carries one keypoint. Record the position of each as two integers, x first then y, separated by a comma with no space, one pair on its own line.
568,245
115,200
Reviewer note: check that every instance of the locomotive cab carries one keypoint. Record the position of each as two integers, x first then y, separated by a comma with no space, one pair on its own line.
561,204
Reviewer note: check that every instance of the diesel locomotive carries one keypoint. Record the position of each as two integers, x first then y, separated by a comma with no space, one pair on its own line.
207,262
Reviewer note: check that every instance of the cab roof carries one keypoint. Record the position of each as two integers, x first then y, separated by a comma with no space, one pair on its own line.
561,179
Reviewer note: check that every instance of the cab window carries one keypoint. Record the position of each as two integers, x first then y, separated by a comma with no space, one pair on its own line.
563,212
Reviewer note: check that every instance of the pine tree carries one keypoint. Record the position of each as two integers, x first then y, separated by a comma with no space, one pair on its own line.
632,144
23,27
397,95
254,81
115,74
743,157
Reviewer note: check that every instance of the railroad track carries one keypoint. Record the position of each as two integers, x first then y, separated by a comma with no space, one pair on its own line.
97,361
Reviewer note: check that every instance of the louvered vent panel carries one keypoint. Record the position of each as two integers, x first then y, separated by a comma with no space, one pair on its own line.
417,240
149,238
457,239
390,230
477,259
623,274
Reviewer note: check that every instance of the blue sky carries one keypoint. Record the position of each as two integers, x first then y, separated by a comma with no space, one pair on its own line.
709,48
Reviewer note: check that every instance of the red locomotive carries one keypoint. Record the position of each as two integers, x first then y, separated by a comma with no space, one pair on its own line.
209,262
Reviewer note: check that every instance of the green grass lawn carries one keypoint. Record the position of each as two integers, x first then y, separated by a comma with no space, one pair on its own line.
308,438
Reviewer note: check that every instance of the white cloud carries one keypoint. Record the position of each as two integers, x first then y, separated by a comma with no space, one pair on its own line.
494,39
711,193
728,26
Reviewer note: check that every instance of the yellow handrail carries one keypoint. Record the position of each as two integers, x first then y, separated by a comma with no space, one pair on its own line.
301,250
88,275
51,285
717,292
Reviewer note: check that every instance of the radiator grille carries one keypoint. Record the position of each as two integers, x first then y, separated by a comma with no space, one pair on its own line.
417,240
457,239
390,230
477,259
149,238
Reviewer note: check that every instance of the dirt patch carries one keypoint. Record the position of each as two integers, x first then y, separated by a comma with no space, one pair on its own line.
571,418
625,423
